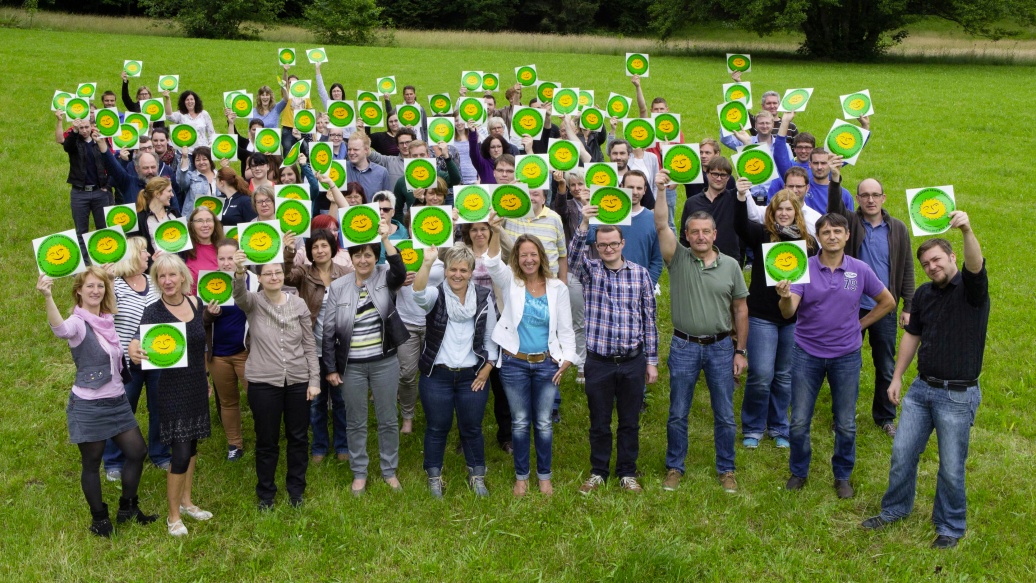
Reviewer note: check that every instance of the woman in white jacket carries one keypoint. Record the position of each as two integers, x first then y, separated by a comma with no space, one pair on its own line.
538,345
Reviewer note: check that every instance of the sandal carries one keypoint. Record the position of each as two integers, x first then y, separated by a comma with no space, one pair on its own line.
195,512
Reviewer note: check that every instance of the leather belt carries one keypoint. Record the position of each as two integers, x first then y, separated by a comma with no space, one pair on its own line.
619,358
453,369
90,188
530,358
703,340
948,385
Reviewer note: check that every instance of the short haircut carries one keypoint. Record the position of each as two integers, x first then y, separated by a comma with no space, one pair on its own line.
817,151
361,137
577,173
256,122
405,132
321,235
611,147
803,138
633,172
771,94
107,93
264,190
356,187
701,216
719,163
797,171
355,250
172,261
833,219
458,253
384,195
936,242
504,159
257,159
206,152
709,142
418,144
161,130
610,229
410,87
764,113
495,122
661,100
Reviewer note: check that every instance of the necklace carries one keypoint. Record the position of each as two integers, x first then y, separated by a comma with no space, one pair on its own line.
183,299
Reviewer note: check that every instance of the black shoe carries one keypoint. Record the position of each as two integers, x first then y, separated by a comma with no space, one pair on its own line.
844,489
795,483
102,524
129,510
508,447
295,501
875,523
555,416
265,505
889,429
944,542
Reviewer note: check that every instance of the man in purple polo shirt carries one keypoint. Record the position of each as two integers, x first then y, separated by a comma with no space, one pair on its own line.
828,337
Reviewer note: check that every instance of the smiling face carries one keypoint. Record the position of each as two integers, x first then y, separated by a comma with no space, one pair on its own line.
763,125
170,281
225,259
637,186
92,293
321,251
288,175
108,100
264,205
364,262
797,185
458,275
938,266
504,173
434,197
771,103
479,234
701,234
529,258
609,246
784,214
188,102
204,225
832,238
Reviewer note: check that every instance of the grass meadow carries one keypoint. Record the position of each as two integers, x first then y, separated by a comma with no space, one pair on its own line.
966,125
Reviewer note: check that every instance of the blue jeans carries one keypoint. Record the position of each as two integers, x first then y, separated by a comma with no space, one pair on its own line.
686,362
882,336
157,451
951,414
318,419
443,392
670,200
843,374
530,392
764,409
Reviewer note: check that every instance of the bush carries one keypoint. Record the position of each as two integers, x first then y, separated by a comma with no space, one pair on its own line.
347,22
219,19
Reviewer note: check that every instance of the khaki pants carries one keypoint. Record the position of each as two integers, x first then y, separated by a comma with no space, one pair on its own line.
226,372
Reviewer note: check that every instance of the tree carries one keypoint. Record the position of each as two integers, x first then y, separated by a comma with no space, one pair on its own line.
844,30
220,19
347,22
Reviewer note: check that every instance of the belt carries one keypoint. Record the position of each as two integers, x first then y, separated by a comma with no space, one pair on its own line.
704,340
455,369
948,385
636,352
530,358
90,188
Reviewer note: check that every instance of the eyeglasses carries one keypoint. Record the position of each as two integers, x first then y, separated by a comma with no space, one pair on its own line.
403,143
719,174
870,196
263,202
272,274
386,209
203,222
339,136
609,246
146,149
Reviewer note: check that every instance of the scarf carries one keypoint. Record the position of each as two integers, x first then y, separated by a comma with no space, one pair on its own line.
104,327
790,232
460,312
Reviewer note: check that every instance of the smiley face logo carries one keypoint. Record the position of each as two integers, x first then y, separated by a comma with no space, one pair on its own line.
293,217
681,163
933,209
167,83
470,109
442,130
786,261
77,109
601,178
846,140
172,234
121,219
665,126
268,141
738,62
386,85
322,158
618,106
151,109
106,122
489,82
510,202
856,104
754,166
260,241
639,133
132,68
737,94
224,147
637,63
409,256
611,203
474,202
527,122
563,155
305,119
548,92
163,344
440,104
565,101
184,135
210,204
287,57
431,225
58,254
592,119
420,173
525,75
734,115
316,55
795,99
216,286
472,79
531,171
126,136
86,90
361,223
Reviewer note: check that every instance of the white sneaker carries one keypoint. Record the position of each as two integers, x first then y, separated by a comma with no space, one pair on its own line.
113,475
195,512
177,528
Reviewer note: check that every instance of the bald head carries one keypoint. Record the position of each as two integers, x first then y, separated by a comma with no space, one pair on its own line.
870,196
147,166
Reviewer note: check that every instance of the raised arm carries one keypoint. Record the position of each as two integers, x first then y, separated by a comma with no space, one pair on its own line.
666,238
972,250
641,103
242,297
421,279
789,303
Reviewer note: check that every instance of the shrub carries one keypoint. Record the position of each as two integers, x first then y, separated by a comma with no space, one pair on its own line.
219,19
347,22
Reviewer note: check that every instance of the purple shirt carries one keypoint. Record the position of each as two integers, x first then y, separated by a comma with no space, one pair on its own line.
828,324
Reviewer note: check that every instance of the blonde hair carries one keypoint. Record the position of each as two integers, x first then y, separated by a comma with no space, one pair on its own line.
515,264
458,253
130,264
108,305
171,261
770,220
153,187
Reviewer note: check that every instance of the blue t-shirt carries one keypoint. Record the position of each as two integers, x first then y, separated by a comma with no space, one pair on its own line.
535,325
874,251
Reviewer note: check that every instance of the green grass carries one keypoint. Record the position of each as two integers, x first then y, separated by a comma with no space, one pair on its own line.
965,125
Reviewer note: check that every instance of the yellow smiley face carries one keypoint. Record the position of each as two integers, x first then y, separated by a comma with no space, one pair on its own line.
442,130
322,158
163,344
754,166
268,141
58,254
565,100
152,109
527,122
78,109
739,62
592,119
489,83
637,64
933,209
261,241
795,99
171,235
526,75
286,56
340,113
216,286
87,91
600,179
125,136
431,225
611,203
386,85
121,219
665,126
472,80
333,174
639,133
786,261
168,83
470,110
408,116
681,163
548,93
617,106
734,115
737,94
224,146
107,245
409,256
305,120
440,103
107,122
420,173
531,171
293,217
209,204
510,202
317,55
361,223
856,104
473,202
563,155
846,140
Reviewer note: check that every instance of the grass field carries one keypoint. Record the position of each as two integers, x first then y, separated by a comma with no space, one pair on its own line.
966,125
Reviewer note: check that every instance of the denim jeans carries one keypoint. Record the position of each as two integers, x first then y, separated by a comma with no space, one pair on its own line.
882,336
843,375
951,414
530,393
686,362
620,387
84,205
764,409
318,419
443,392
157,451
271,406
670,200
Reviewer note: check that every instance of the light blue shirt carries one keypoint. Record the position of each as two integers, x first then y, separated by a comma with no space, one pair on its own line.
874,251
534,328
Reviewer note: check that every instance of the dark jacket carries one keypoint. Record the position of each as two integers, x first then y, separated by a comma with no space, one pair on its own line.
901,261
435,329
306,279
126,182
342,299
145,231
76,148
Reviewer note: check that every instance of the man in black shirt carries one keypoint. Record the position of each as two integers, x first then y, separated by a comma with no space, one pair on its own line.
718,199
947,331
86,175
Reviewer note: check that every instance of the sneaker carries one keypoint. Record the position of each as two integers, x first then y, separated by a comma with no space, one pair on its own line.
944,542
795,483
592,483
234,453
889,429
750,442
478,486
176,528
781,443
630,484
580,379
555,416
875,523
195,512
113,475
672,480
436,486
508,447
265,505
844,489
728,482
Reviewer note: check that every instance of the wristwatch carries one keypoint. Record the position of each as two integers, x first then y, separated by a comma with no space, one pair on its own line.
742,351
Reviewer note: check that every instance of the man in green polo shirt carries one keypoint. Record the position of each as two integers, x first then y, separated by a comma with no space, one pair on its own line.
708,295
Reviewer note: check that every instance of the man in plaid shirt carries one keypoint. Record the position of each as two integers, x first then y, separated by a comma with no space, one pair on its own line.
621,349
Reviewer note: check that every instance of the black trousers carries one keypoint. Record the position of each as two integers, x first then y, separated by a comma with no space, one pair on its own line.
620,385
501,410
270,405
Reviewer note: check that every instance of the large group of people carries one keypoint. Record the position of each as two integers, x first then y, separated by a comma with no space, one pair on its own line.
512,306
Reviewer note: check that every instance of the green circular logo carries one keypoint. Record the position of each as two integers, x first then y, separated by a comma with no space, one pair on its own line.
127,137
108,123
294,217
320,157
59,100
164,345
371,113
667,127
137,120
733,116
526,76
122,217
215,285
317,55
618,106
305,121
231,232
586,99
213,203
77,108
566,100
432,226
441,130
563,155
857,104
387,85
930,208
739,63
293,154
260,242
409,115
490,82
601,175
472,109
846,140
341,114
737,92
592,119
292,191
241,104
228,98
360,224
287,56
224,147
412,258
300,89
532,170
640,133
545,90
471,80
440,103
337,173
132,68
171,236
420,173
527,122
786,261
268,141
366,96
756,165
184,135
58,255
795,100
511,202
473,203
637,64
86,90
613,205
167,83
154,109
683,164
